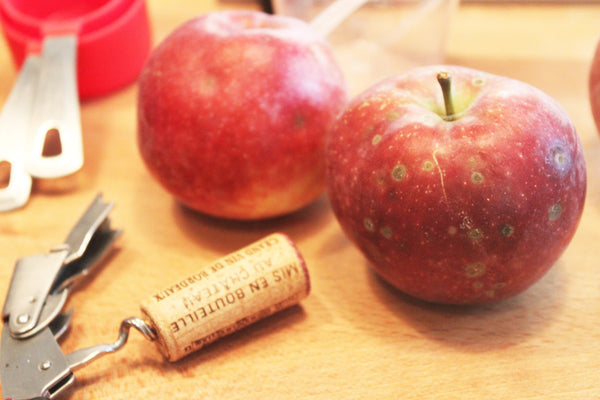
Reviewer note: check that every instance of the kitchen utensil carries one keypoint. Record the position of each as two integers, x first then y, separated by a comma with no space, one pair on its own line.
221,298
72,49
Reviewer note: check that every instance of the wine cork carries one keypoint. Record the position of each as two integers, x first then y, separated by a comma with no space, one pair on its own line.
227,295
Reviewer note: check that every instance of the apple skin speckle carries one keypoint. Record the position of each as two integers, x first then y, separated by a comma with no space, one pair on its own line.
504,185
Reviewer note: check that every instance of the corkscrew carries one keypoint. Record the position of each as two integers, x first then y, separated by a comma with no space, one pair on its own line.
257,281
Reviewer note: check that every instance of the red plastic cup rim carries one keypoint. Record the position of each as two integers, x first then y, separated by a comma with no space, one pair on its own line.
113,36
37,19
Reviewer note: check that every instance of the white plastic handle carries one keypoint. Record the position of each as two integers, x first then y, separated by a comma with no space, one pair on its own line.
14,131
56,111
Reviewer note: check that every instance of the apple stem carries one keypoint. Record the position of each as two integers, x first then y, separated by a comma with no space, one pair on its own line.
445,82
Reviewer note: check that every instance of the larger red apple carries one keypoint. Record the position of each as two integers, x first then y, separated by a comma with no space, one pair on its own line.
233,111
463,206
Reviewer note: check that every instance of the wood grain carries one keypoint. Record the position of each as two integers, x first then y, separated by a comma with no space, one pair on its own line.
354,337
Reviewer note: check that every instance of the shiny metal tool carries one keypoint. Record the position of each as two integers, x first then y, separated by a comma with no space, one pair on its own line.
32,365
256,281
43,107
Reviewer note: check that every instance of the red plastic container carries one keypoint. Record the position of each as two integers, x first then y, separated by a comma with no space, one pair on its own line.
113,36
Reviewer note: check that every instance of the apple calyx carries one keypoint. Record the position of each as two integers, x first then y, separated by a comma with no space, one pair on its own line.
445,81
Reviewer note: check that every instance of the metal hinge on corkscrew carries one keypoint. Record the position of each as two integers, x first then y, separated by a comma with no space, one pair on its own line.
32,365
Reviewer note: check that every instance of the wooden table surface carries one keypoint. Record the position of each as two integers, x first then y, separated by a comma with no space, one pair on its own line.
354,337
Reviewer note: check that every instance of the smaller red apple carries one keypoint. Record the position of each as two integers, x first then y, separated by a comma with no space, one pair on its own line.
594,86
463,194
233,111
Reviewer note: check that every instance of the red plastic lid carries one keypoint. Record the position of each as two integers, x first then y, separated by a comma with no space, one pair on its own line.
113,37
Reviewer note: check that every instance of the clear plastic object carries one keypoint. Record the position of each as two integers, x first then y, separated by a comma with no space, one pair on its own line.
380,38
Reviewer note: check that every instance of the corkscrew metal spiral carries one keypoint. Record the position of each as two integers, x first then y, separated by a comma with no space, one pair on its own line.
82,357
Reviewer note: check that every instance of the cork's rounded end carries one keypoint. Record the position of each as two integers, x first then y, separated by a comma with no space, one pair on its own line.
301,260
160,342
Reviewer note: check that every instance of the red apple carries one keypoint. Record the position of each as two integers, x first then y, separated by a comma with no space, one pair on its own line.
233,111
594,86
463,201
